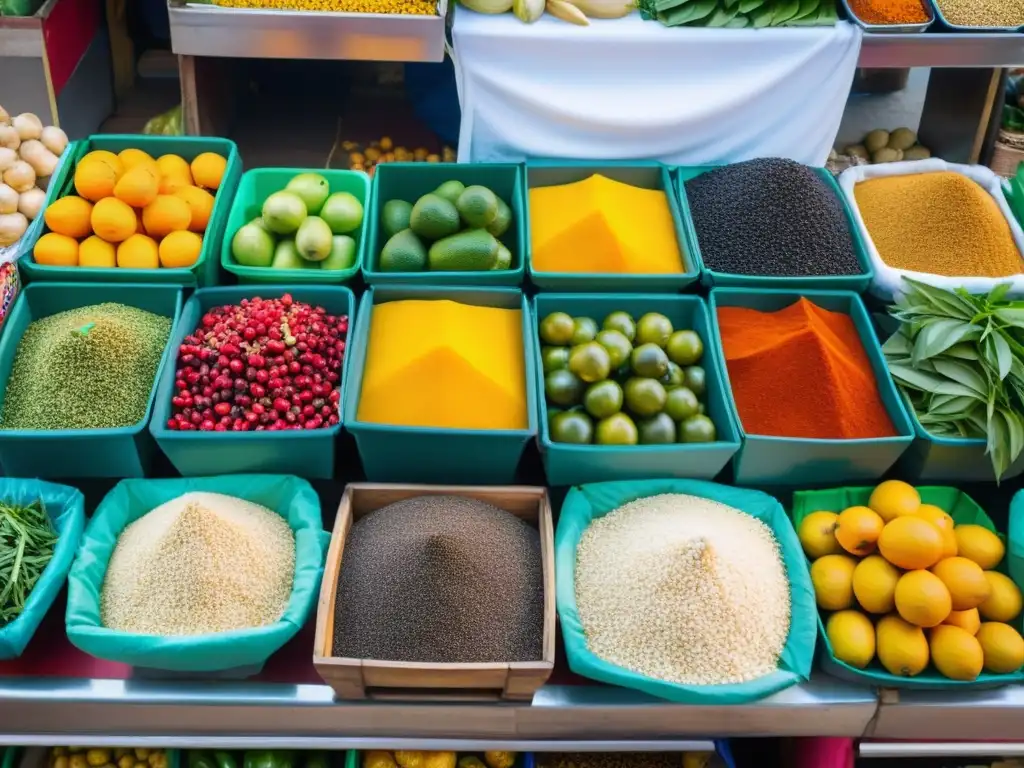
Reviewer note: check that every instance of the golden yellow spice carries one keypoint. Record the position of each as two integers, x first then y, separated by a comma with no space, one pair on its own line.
602,225
444,364
939,223
393,7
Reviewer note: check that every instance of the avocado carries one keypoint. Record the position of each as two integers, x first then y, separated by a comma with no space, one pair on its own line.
501,222
433,218
450,190
403,253
395,216
478,206
473,250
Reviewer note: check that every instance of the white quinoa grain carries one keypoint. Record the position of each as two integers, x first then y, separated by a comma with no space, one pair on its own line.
200,563
683,589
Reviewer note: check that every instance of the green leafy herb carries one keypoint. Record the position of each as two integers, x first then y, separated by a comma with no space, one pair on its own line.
27,539
959,359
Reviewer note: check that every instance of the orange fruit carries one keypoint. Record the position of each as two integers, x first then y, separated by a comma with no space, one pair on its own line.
902,647
965,581
56,250
208,170
1004,601
894,498
910,542
977,543
874,584
113,220
180,249
956,653
138,186
201,203
174,165
922,599
97,252
832,577
69,216
138,252
95,179
817,535
858,529
1003,647
969,620
166,214
936,516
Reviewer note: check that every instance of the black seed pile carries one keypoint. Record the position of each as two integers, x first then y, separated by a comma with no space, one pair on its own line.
441,579
770,217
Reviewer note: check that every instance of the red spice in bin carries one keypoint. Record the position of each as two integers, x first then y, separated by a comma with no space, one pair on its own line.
260,365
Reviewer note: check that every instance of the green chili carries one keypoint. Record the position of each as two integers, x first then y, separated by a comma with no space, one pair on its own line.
27,539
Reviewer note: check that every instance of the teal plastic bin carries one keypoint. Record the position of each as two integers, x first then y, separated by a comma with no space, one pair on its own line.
253,190
586,503
410,181
395,454
648,175
964,511
712,279
205,270
116,452
65,507
767,460
307,453
292,498
568,464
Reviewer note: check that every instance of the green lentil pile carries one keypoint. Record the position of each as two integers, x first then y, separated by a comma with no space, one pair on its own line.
86,368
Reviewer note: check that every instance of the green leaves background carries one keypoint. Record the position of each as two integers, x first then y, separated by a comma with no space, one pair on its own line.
737,14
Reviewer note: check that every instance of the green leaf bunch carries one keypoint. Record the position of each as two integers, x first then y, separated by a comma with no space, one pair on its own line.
27,539
738,14
960,360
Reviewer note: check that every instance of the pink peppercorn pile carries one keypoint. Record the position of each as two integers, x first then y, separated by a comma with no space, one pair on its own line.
260,365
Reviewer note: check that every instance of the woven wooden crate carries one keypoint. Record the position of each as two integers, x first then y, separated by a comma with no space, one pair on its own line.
1007,153
372,678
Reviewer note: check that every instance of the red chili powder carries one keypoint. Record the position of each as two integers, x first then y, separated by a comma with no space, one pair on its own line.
890,11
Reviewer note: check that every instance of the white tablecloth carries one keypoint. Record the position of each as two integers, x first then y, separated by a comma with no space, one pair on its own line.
628,89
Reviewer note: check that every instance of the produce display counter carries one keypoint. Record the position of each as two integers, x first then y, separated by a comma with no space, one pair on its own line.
975,716
972,49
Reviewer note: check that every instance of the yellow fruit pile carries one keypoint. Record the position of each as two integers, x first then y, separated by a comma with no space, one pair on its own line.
908,565
132,211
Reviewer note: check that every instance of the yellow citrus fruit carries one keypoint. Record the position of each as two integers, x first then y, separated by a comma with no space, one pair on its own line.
858,529
69,216
133,157
105,156
874,584
96,252
138,186
936,516
138,252
1002,646
56,250
166,214
1004,602
200,202
818,535
208,170
894,498
902,647
852,636
832,576
922,598
95,179
979,544
965,581
180,249
174,165
969,620
171,184
956,653
113,220
910,542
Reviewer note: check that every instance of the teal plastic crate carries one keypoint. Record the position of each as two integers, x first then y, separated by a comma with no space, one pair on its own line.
410,181
568,464
307,453
648,175
205,271
712,279
260,183
395,454
767,460
117,452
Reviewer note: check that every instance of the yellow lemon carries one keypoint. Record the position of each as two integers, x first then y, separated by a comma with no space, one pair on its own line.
56,250
113,220
874,584
910,542
138,252
979,544
832,576
1004,601
95,179
969,620
922,598
166,214
965,581
818,535
174,165
208,170
956,653
138,186
69,216
96,252
902,647
858,529
200,202
180,249
108,157
852,636
132,157
936,516
894,498
1002,646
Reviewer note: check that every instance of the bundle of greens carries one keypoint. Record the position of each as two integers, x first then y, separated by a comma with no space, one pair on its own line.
27,539
960,360
737,14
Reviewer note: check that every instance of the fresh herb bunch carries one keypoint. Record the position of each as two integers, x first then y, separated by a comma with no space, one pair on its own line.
27,539
737,14
960,360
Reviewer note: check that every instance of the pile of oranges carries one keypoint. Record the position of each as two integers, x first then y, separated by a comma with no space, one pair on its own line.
908,586
132,211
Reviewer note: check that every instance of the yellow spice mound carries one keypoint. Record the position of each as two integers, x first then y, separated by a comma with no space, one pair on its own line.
444,364
602,225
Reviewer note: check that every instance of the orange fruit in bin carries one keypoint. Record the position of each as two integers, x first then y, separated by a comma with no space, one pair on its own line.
858,529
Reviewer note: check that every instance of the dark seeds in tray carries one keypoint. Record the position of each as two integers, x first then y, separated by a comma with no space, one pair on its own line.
770,217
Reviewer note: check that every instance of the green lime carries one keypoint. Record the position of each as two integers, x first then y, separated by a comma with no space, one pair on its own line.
653,328
681,404
673,376
617,344
554,358
553,411
563,388
644,397
617,429
557,329
590,361
657,430
649,360
621,322
693,378
697,429
603,399
702,409
572,427
585,330
685,348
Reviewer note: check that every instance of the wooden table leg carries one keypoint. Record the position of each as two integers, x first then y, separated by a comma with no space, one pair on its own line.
207,94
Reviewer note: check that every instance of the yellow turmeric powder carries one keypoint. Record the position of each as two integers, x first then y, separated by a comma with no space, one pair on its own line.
602,225
438,363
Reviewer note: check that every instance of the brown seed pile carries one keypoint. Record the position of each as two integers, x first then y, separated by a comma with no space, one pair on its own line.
683,589
939,223
440,579
983,13
200,563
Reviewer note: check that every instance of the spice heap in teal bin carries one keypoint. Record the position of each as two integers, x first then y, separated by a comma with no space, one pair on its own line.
121,757
424,759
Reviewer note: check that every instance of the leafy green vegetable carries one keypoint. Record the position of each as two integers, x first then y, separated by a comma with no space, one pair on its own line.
960,360
27,539
733,14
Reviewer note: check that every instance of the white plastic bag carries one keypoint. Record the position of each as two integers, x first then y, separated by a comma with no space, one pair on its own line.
887,282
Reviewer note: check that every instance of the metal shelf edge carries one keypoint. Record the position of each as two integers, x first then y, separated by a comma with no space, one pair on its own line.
928,49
